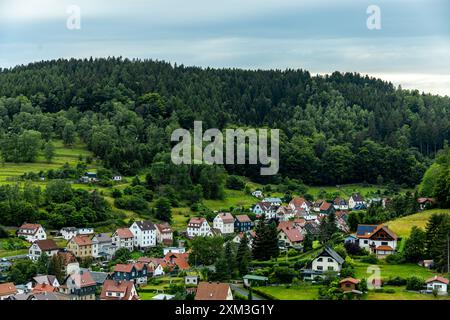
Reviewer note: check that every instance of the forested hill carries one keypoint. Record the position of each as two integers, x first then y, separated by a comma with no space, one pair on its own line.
337,129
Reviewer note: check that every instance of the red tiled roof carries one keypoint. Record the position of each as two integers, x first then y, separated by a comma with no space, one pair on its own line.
124,233
325,206
297,202
293,234
212,291
43,287
164,228
82,240
82,279
7,289
123,268
438,279
30,226
385,248
178,259
124,287
424,200
351,280
243,218
226,217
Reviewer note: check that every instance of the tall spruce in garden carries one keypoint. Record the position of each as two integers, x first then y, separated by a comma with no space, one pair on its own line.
437,231
266,241
230,257
243,256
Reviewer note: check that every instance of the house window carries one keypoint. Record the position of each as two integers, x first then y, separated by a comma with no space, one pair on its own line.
366,241
319,268
331,268
330,260
320,260
384,243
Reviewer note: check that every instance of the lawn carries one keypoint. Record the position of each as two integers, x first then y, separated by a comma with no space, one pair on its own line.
20,247
402,226
10,171
305,291
392,270
233,198
402,294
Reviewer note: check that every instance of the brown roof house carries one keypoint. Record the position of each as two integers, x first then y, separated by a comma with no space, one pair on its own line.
81,246
49,247
7,290
213,291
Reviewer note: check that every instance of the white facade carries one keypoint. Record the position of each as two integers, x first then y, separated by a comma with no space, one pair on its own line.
224,226
199,230
85,231
35,252
352,203
144,234
326,264
367,243
32,235
68,233
174,250
122,242
439,286
159,271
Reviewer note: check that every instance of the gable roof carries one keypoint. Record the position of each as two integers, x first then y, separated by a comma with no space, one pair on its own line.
127,268
437,279
350,280
298,202
325,206
82,240
47,245
339,201
7,289
226,217
292,233
243,218
103,238
212,291
44,287
124,233
196,222
48,279
164,228
368,231
177,259
146,225
123,287
357,197
81,279
333,254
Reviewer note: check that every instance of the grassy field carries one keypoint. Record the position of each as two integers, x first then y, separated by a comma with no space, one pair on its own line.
305,291
402,226
233,198
401,294
8,252
10,171
392,270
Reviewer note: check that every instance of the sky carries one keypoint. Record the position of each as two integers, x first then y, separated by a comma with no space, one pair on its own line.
411,49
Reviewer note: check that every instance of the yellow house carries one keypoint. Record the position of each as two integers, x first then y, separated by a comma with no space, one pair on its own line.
81,246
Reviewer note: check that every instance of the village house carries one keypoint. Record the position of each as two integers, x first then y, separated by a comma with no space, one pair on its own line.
251,234
273,201
152,265
327,260
119,290
135,272
174,250
349,284
191,280
89,177
49,247
213,291
85,231
356,201
224,221
326,208
340,204
32,232
68,233
144,233
176,260
67,258
289,235
300,205
123,238
377,239
257,194
7,290
117,178
316,205
242,223
198,227
80,285
438,284
265,209
426,203
164,234
102,245
81,246
284,213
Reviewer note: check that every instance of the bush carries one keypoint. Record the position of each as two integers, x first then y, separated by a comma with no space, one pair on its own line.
3,233
396,281
235,183
131,203
414,283
396,258
283,275
372,259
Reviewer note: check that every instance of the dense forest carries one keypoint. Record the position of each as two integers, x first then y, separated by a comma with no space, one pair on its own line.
335,129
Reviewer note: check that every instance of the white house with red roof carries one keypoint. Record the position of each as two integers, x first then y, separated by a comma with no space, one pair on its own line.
119,290
224,221
356,200
49,247
440,284
290,234
198,227
377,239
300,204
164,234
123,238
32,232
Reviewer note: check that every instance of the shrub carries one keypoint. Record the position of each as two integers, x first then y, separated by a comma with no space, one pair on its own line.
131,203
396,281
372,259
396,258
3,233
235,183
414,283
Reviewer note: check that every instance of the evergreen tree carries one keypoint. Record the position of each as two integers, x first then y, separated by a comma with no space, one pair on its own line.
163,209
230,258
42,264
265,244
56,267
49,151
308,242
243,255
414,249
